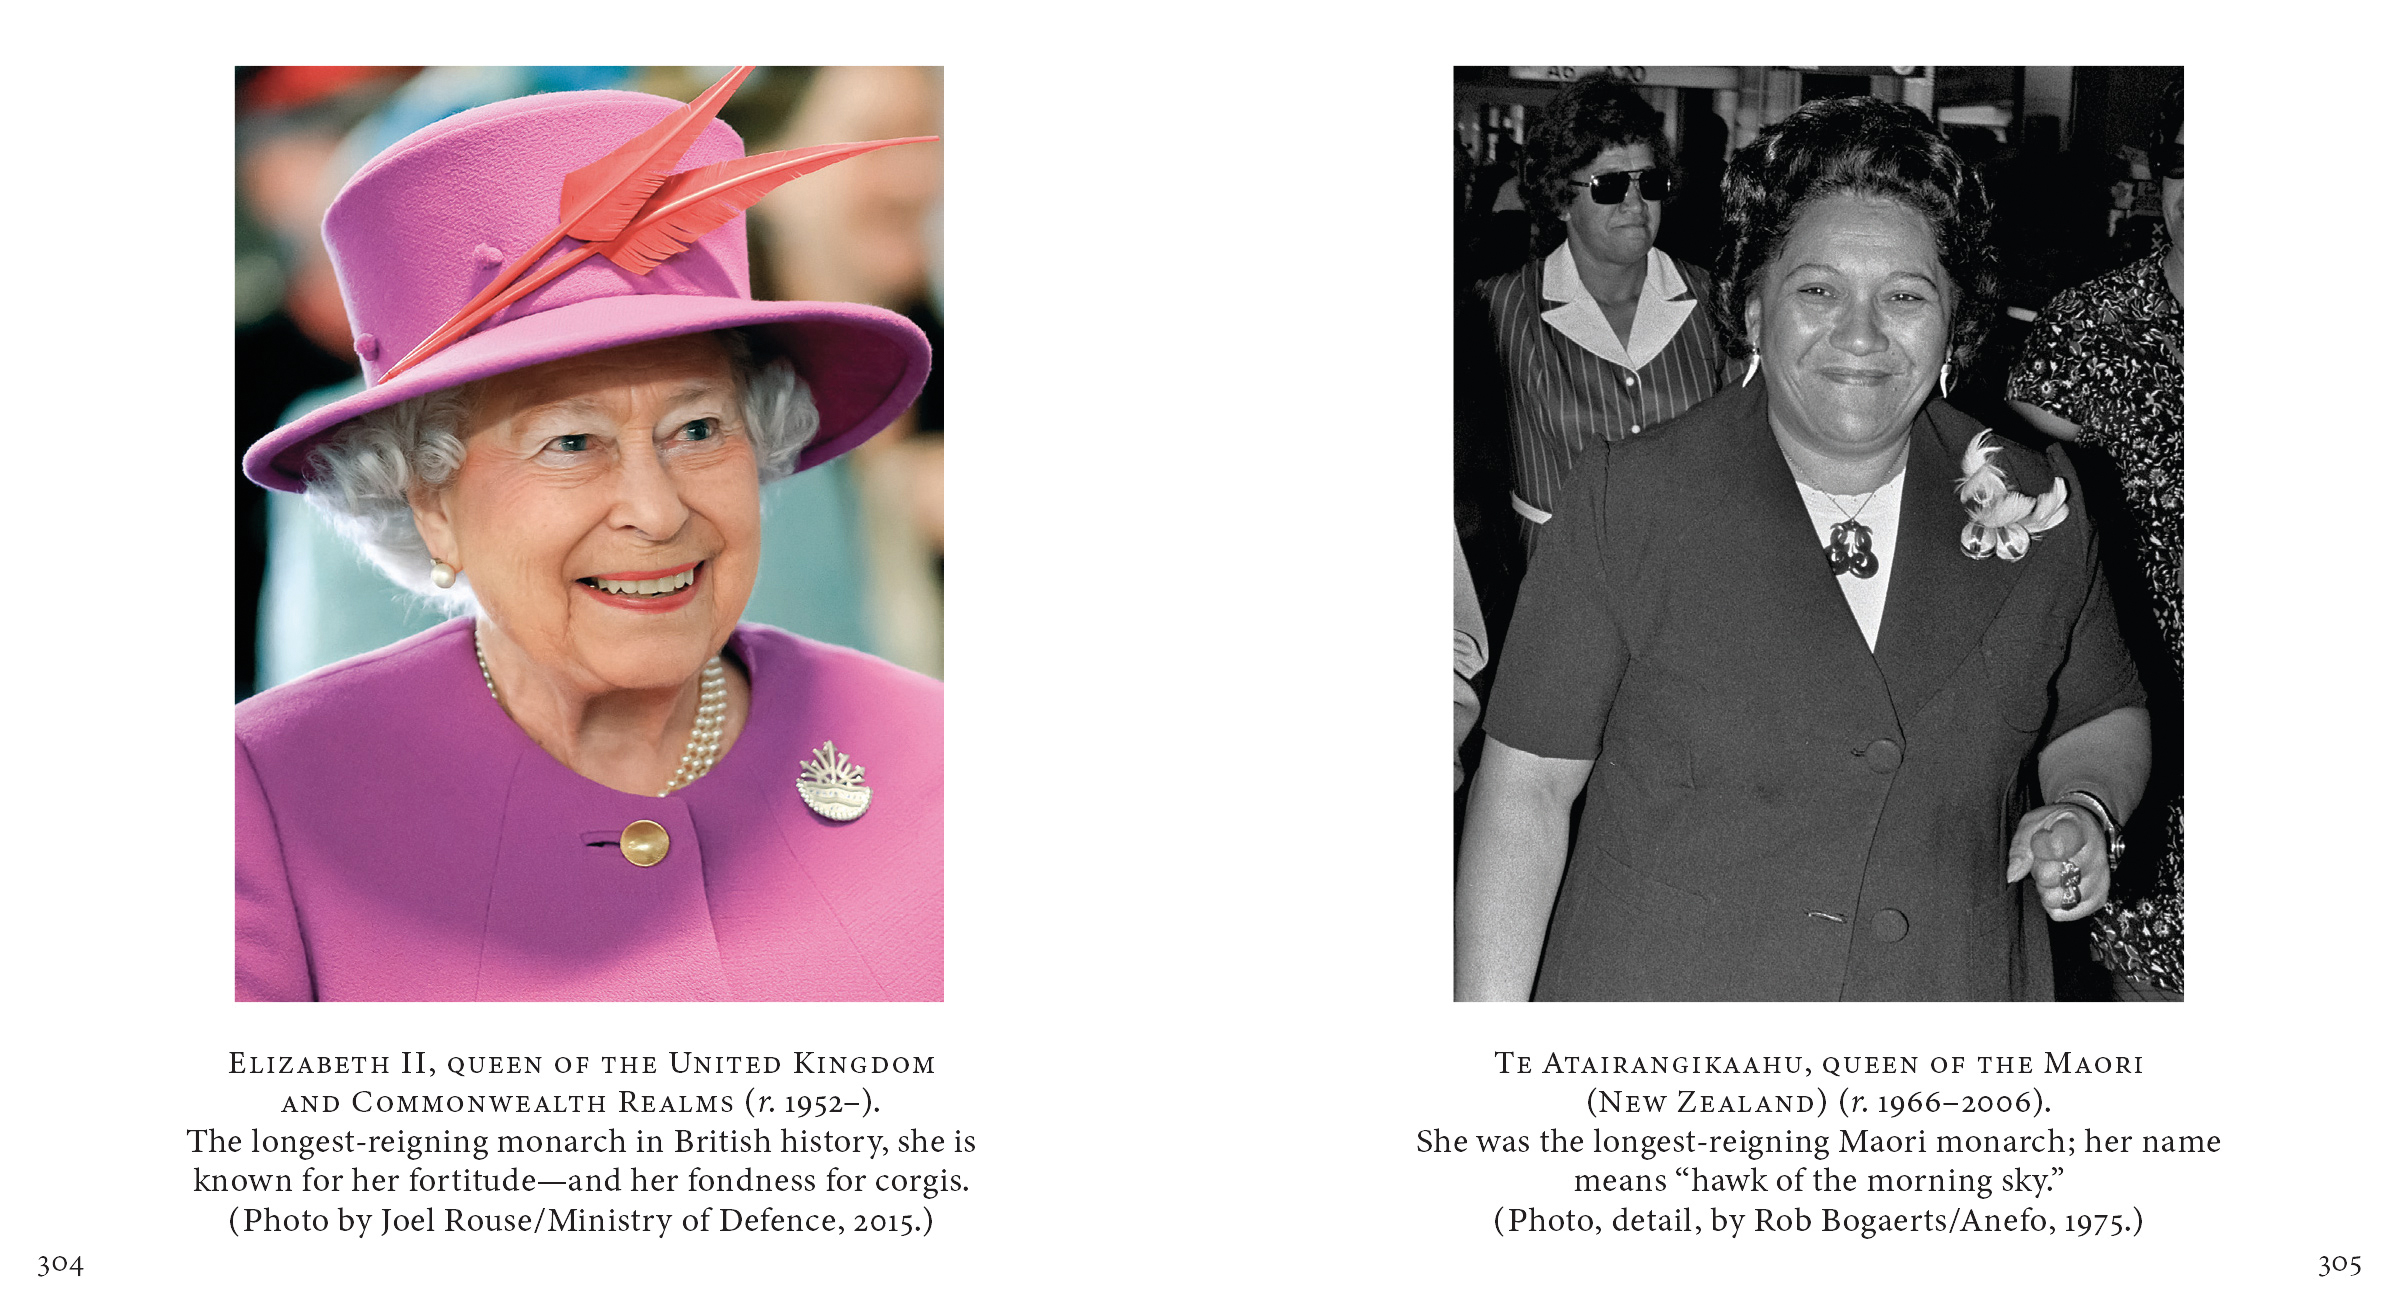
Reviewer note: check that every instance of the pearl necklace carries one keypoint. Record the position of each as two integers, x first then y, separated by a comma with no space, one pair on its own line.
708,728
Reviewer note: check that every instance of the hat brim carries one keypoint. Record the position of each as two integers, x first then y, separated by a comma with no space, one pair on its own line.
864,365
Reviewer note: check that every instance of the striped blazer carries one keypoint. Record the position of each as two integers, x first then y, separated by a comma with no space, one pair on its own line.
1571,380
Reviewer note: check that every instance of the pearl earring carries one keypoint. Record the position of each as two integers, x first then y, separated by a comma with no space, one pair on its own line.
443,575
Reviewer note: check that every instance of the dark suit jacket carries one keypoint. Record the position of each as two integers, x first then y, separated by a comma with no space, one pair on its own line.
1778,812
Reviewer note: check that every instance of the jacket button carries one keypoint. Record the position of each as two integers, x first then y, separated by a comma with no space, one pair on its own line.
644,843
1890,926
1883,756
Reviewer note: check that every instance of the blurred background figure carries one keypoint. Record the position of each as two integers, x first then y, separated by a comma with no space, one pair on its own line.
1602,335
872,234
290,335
852,549
2103,369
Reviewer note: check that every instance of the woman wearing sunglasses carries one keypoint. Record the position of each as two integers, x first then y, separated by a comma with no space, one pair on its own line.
1605,337
1833,667
2104,368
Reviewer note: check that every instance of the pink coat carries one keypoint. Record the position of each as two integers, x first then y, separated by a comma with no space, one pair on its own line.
398,837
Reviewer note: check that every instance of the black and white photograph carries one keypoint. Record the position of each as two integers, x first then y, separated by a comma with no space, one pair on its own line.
1819,503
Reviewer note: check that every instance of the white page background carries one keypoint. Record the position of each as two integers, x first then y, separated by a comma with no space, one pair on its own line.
1197,281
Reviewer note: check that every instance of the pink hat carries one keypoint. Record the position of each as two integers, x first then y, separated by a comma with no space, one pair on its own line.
428,223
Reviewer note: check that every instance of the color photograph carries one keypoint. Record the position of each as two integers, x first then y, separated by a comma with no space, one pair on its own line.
590,560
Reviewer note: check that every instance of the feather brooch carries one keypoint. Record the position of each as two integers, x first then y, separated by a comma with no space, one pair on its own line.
2002,521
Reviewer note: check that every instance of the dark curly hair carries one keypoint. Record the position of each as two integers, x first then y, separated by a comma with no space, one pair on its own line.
1867,147
1595,112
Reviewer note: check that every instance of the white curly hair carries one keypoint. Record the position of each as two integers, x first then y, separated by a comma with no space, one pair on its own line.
360,478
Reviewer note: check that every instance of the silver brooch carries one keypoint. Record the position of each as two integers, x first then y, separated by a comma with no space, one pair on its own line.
832,787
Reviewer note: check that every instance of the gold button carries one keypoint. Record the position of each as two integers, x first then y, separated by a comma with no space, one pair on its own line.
644,843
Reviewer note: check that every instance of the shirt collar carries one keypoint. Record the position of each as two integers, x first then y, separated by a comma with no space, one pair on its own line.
1560,281
1666,302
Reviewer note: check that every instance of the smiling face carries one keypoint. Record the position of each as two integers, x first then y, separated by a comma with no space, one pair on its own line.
606,512
1852,323
1620,233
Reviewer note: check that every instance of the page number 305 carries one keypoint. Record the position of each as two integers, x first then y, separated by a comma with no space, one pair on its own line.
53,1264
2337,1266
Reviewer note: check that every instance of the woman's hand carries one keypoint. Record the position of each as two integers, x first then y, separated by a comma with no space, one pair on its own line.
2064,849
2062,845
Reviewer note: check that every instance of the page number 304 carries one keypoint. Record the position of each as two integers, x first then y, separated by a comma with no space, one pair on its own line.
53,1264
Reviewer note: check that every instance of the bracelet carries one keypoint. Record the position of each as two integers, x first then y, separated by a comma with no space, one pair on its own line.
2110,831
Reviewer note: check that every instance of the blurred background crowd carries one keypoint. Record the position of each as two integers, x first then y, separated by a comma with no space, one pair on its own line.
2084,169
853,548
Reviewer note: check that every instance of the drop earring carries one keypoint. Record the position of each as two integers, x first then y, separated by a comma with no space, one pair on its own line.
443,575
1752,372
1945,377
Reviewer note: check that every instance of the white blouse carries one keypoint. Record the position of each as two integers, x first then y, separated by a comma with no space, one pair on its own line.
1879,512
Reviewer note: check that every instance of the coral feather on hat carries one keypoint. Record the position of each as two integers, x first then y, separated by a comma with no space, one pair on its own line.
654,186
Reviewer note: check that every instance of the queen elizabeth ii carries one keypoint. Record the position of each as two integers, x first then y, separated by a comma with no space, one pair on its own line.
596,783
